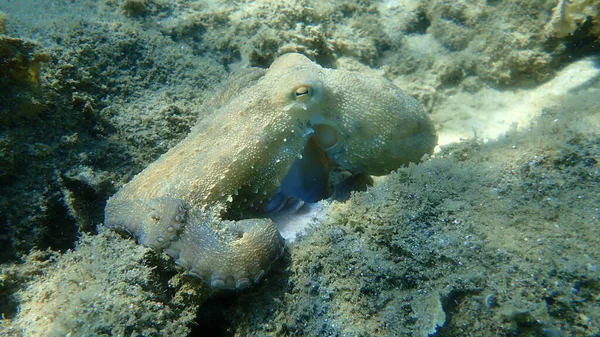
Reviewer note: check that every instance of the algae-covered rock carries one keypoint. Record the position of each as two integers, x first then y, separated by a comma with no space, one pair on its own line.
107,286
569,16
20,88
3,19
489,237
55,156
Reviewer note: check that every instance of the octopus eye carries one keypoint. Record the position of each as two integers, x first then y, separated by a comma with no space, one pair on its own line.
303,93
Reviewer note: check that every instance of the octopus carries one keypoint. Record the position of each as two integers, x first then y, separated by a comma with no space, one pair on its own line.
271,140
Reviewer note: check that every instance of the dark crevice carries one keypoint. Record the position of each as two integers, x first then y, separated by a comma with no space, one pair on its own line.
7,252
60,229
212,318
420,25
88,204
582,42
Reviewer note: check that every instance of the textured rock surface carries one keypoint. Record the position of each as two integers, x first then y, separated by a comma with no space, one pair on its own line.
513,254
107,284
239,157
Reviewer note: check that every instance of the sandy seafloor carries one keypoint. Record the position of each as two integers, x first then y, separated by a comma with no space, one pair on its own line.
496,234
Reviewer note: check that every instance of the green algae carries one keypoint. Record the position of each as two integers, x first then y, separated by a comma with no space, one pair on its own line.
487,238
107,286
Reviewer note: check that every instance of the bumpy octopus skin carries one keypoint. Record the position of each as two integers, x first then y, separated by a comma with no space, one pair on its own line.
295,116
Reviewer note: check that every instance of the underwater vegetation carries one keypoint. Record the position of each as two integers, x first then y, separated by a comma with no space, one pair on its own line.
19,79
491,235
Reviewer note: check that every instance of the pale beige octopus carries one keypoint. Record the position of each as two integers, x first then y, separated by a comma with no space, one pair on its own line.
294,117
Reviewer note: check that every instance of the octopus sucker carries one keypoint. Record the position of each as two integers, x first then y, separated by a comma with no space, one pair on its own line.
271,143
